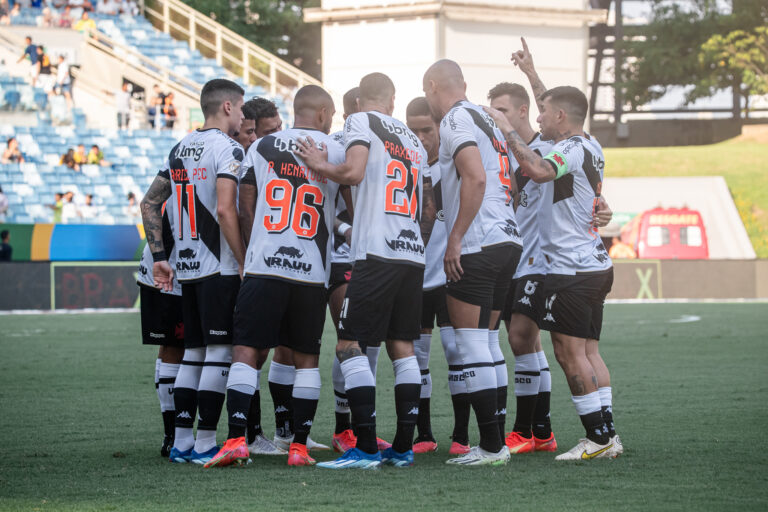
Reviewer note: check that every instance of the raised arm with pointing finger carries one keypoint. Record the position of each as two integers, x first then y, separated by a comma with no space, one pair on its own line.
524,60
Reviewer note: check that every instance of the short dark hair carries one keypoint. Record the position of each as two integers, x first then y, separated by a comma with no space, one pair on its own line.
217,91
259,108
4,234
350,100
95,146
376,87
570,99
419,107
311,97
514,91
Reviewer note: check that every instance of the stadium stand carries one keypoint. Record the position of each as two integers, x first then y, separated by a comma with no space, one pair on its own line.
134,155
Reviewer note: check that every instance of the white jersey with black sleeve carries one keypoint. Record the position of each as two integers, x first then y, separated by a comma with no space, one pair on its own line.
295,207
465,125
532,260
341,252
145,275
569,241
387,202
195,164
434,271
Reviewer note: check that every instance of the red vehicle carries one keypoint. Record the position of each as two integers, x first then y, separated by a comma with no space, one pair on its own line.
667,233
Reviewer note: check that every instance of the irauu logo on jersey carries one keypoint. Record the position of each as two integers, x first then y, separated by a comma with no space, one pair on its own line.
407,241
288,258
187,254
143,270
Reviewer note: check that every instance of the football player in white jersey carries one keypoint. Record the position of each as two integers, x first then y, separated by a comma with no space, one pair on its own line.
525,300
580,273
482,251
393,220
524,60
162,324
341,271
282,299
202,178
419,119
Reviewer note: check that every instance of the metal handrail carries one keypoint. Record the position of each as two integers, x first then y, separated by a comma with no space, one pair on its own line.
239,63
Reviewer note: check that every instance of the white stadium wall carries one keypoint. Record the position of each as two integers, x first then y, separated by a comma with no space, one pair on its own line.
403,38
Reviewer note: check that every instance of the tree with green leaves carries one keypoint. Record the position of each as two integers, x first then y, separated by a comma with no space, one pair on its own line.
740,54
677,46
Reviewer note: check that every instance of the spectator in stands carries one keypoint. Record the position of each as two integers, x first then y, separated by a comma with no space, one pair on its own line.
5,10
132,209
15,12
68,159
88,211
65,17
108,7
44,70
267,117
80,156
5,247
12,154
85,24
64,80
30,51
3,205
57,207
621,250
155,107
69,208
169,111
46,19
96,156
129,8
123,105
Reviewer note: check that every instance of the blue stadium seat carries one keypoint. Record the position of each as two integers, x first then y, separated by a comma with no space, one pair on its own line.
12,99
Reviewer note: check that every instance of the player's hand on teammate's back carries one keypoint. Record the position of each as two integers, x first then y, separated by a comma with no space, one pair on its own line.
523,59
310,153
163,275
500,120
452,259
603,215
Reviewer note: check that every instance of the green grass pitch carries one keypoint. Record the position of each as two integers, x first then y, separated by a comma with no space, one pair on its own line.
81,427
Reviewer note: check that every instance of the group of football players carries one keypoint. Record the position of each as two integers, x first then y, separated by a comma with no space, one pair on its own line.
462,216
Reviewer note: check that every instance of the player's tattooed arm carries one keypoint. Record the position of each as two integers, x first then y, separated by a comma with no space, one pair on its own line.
524,60
152,216
531,163
428,210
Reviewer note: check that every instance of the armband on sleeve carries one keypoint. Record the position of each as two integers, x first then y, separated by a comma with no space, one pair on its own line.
557,160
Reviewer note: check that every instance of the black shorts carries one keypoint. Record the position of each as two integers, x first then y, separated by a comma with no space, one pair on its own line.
525,297
573,305
272,312
383,302
433,308
486,277
208,308
161,318
341,273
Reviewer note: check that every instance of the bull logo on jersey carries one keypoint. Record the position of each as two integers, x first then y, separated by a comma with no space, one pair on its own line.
408,235
400,130
288,258
511,228
193,151
291,252
187,254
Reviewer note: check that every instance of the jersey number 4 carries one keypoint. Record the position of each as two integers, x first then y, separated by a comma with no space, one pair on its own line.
297,207
401,199
504,176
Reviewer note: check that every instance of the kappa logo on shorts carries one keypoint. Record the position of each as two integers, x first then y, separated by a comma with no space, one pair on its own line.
159,335
525,300
240,416
549,318
217,333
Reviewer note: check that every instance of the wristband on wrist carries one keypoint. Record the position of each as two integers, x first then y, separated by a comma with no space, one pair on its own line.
159,256
343,227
